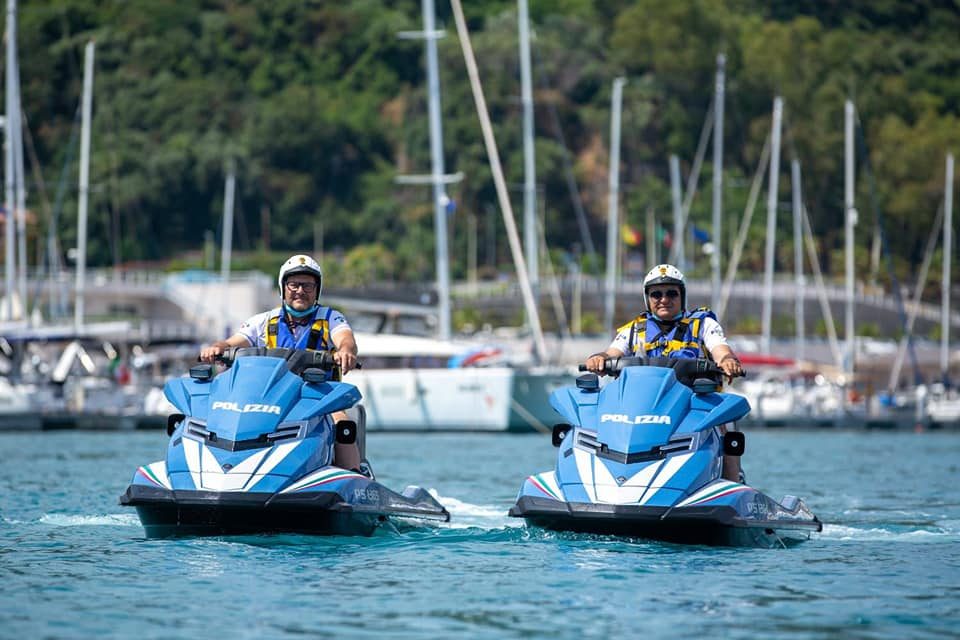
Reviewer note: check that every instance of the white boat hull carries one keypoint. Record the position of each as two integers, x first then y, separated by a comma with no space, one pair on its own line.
459,399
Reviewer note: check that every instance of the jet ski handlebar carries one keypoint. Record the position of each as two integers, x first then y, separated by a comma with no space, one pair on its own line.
299,360
686,369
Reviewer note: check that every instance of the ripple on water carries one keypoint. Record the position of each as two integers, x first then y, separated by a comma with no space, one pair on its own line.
885,565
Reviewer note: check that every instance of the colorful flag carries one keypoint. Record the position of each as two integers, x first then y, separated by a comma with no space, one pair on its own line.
631,237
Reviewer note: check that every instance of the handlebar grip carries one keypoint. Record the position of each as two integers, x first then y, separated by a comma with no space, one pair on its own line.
582,367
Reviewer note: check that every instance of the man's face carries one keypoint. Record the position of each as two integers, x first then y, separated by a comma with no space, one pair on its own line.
664,300
300,291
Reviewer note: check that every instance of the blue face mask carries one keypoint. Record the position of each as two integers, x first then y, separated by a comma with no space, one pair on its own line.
299,314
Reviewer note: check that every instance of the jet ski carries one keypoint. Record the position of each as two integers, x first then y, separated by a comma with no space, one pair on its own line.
642,456
252,452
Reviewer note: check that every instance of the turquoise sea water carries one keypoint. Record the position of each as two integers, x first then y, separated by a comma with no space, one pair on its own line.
74,564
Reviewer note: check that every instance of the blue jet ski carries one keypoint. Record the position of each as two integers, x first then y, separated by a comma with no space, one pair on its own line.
252,452
643,457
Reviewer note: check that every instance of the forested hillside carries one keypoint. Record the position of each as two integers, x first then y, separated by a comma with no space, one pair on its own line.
320,105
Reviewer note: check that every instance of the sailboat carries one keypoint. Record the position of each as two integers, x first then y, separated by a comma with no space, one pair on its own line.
418,383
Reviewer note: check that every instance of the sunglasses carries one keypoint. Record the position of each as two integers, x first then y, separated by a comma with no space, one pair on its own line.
308,287
673,294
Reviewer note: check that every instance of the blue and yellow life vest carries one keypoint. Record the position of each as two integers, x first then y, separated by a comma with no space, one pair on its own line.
317,339
682,340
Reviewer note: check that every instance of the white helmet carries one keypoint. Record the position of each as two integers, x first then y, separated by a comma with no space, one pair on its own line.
665,274
300,264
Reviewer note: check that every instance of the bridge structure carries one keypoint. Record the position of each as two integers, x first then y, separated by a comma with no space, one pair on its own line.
879,309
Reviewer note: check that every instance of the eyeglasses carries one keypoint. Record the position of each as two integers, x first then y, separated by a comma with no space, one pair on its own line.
673,294
306,287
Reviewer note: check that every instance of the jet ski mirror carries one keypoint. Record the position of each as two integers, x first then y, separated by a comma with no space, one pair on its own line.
560,432
314,375
705,385
733,443
588,382
201,372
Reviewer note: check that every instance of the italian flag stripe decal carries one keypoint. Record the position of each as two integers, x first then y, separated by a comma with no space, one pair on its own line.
538,482
725,490
330,477
149,475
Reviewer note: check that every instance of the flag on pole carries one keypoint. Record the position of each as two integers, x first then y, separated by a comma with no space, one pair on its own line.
700,235
631,237
664,237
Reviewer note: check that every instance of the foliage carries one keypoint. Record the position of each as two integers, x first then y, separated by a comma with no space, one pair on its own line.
320,105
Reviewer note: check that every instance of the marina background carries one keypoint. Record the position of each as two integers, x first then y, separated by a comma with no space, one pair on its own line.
202,144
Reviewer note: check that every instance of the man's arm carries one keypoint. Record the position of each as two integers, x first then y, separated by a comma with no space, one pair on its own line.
209,353
346,353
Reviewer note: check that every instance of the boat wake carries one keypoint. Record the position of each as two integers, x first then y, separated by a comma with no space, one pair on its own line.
465,515
933,533
112,520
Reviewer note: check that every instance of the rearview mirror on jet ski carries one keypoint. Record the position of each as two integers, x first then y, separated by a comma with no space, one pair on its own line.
201,372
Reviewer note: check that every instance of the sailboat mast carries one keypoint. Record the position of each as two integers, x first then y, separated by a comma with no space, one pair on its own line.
850,223
947,253
798,257
437,171
84,184
676,197
772,188
19,185
9,196
717,178
493,157
226,240
613,231
531,245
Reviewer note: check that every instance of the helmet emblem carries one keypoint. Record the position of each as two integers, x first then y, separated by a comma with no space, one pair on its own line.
663,271
303,260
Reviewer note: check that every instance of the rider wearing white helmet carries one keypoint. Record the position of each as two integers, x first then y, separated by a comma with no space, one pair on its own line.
300,322
668,329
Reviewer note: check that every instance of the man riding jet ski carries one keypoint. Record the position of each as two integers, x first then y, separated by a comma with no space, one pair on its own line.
643,456
300,322
252,452
666,328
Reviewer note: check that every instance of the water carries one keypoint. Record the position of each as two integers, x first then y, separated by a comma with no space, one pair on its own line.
74,564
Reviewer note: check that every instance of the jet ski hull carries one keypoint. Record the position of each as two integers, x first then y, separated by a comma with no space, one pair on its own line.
166,513
715,525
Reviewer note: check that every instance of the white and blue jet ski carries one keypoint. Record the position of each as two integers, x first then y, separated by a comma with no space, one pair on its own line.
643,456
252,452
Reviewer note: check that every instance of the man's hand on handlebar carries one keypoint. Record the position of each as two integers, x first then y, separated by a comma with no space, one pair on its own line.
596,363
731,367
346,360
212,352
